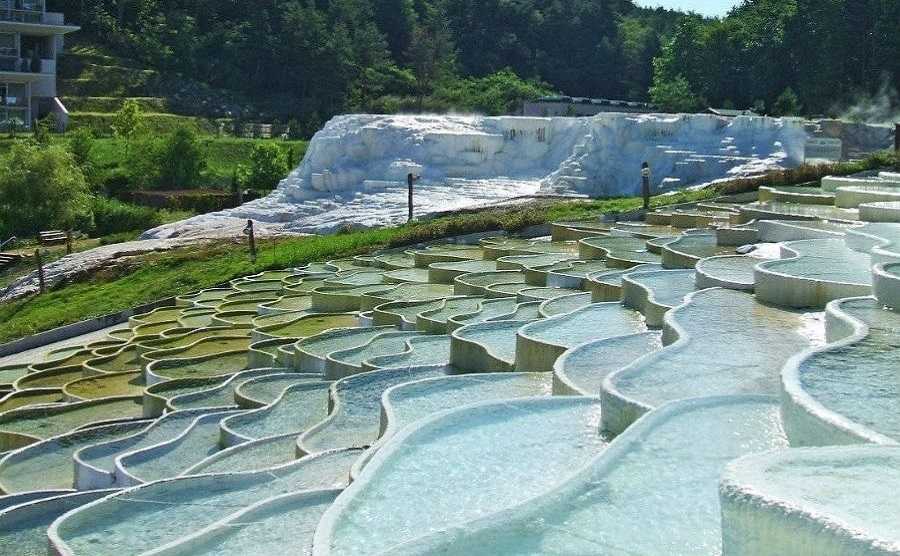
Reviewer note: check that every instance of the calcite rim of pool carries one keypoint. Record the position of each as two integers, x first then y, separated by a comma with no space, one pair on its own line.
674,337
460,335
795,397
122,461
302,354
772,210
229,436
49,409
90,472
152,370
329,522
179,334
245,516
744,480
388,423
869,239
60,547
338,406
546,305
161,354
601,276
427,314
559,367
333,357
889,272
246,379
708,276
794,251
588,472
463,281
650,303
679,249
383,362
223,382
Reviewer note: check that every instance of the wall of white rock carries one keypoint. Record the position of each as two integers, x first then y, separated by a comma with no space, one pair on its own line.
355,168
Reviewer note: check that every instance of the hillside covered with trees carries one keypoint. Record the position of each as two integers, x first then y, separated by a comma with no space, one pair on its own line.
310,59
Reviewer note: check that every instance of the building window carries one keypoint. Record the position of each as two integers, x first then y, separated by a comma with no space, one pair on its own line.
8,44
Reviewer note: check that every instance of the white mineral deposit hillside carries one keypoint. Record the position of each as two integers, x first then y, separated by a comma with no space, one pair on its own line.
355,168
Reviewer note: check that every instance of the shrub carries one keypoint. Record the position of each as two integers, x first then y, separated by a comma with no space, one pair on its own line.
268,165
787,104
81,142
115,183
180,159
43,128
203,200
128,121
498,93
115,217
41,187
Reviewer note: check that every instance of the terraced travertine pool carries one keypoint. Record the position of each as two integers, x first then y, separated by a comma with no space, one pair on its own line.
505,397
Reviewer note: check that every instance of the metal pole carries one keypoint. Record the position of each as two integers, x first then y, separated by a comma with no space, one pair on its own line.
40,268
409,182
645,184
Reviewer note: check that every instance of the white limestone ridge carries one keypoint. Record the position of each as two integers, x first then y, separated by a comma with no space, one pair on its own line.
355,167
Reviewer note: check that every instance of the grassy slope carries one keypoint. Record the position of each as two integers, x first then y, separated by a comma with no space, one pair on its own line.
224,154
185,270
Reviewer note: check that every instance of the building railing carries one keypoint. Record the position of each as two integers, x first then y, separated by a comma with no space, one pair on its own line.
27,65
31,16
14,117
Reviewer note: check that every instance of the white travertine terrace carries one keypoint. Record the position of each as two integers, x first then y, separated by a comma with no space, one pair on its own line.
642,477
812,273
846,391
404,404
653,293
461,443
231,385
828,501
758,339
539,344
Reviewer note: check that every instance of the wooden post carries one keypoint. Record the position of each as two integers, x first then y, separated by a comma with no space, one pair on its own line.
68,242
645,184
897,138
40,269
249,232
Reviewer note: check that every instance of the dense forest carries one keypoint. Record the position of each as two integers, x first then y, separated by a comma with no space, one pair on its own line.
313,58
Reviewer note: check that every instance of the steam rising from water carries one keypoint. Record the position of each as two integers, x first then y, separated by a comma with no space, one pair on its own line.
881,108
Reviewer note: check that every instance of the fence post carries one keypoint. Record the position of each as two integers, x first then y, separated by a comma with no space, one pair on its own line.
645,184
40,269
410,180
68,242
249,232
897,137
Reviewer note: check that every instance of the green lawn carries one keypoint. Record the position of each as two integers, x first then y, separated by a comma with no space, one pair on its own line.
159,275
